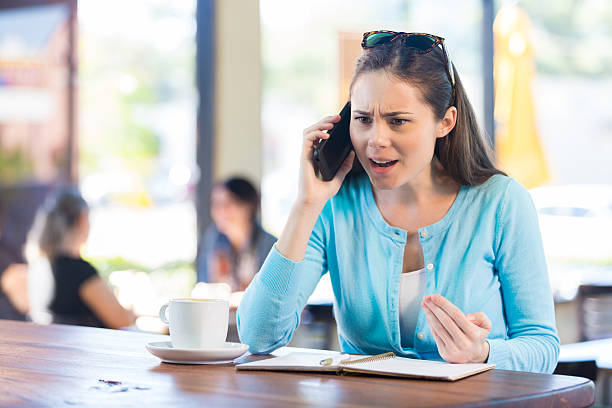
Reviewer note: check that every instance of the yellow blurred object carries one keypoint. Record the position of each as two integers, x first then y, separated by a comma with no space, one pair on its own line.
517,145
135,199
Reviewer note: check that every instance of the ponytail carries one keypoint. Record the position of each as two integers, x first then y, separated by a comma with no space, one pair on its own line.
59,216
464,153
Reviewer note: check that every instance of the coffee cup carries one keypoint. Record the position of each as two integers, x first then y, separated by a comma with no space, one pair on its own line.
196,323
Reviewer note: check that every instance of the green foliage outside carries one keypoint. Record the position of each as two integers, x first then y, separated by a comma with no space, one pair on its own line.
109,127
585,262
14,166
173,279
573,37
124,79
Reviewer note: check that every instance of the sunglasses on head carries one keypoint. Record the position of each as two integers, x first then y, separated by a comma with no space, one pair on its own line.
422,43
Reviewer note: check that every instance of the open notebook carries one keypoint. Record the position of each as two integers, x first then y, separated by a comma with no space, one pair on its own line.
387,364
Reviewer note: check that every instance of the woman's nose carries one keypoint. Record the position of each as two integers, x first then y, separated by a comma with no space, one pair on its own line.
379,138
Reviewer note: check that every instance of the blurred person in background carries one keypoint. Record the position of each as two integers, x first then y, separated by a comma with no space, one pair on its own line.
13,280
80,296
235,246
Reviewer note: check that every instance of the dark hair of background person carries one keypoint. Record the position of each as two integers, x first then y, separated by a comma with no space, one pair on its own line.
245,192
464,153
62,212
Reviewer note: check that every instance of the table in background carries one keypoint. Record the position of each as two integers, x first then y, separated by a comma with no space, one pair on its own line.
599,351
59,365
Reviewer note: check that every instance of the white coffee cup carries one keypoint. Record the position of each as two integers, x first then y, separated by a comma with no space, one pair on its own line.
196,323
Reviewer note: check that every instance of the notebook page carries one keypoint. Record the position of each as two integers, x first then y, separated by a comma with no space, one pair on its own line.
409,367
296,362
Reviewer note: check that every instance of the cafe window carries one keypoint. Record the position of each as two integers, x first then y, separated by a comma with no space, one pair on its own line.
36,105
137,138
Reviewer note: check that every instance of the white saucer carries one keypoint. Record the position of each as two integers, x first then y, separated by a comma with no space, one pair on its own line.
168,354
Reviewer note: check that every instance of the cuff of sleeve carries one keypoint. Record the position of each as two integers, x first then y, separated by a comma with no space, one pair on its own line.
499,353
277,273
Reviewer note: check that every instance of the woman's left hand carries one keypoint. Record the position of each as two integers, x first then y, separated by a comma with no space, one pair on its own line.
460,338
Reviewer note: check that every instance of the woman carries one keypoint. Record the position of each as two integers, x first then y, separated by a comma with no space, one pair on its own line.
13,279
80,296
433,253
234,248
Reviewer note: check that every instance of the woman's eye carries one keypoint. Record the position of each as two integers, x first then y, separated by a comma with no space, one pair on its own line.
399,122
363,119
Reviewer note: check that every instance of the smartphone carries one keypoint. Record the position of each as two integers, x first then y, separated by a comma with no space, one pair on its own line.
331,153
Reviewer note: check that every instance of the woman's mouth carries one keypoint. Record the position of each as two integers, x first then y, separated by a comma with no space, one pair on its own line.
382,166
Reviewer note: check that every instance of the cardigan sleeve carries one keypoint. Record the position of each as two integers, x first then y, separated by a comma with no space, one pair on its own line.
270,309
532,343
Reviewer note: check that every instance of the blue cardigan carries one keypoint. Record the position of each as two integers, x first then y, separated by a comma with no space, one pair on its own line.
484,255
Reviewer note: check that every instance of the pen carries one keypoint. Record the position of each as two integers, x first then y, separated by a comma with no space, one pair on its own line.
326,361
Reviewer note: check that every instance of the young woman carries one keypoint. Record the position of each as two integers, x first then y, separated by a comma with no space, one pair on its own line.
234,248
433,253
80,296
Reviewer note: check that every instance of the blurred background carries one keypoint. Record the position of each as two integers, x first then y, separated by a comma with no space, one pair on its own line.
146,104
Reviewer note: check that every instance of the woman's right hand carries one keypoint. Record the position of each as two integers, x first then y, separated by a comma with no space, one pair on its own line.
314,192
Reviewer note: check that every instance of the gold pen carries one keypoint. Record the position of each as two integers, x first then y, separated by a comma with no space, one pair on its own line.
383,356
326,361
377,357
330,360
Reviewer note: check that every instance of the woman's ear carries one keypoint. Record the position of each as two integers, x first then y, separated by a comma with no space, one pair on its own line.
447,123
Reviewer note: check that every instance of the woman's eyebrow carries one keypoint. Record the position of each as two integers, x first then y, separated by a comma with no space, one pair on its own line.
395,113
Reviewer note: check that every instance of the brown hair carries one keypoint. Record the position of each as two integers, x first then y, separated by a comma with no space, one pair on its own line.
242,190
59,215
464,154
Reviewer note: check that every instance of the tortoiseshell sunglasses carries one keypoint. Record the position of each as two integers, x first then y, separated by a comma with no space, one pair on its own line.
421,42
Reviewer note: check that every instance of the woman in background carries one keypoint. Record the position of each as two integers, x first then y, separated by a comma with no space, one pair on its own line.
80,296
235,246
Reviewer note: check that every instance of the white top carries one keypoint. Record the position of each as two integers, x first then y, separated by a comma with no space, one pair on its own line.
412,289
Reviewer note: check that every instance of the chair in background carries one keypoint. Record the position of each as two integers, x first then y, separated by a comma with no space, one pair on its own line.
586,369
595,312
592,356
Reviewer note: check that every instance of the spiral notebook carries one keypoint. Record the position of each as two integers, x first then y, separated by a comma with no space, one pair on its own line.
387,364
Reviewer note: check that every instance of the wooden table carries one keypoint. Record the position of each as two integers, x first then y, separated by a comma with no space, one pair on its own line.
69,366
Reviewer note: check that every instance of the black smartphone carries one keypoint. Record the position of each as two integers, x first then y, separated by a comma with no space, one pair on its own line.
331,153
